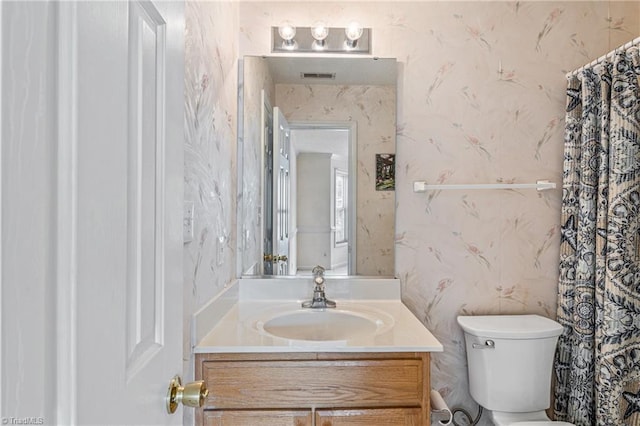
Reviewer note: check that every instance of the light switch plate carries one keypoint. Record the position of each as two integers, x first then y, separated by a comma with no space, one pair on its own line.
220,250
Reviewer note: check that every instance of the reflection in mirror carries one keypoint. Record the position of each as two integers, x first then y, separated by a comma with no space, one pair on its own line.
324,216
307,165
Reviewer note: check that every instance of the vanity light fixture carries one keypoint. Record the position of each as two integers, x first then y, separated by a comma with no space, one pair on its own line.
287,32
321,39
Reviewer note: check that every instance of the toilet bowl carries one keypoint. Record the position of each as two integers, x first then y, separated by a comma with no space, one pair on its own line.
509,359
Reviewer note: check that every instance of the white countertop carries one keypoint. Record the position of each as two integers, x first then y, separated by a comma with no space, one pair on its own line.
231,324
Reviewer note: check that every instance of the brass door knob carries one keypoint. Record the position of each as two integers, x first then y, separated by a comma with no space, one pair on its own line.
282,258
191,395
268,257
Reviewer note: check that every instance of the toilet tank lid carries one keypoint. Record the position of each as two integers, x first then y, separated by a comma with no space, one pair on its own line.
510,326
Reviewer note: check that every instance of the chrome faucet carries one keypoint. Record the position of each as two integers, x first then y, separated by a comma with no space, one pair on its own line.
319,300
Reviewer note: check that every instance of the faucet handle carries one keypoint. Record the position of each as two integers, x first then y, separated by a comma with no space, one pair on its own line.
318,270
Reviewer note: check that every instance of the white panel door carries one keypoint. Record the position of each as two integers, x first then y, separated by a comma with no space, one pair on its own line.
281,192
125,83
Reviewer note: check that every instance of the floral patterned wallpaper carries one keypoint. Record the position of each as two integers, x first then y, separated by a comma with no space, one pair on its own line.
480,99
210,156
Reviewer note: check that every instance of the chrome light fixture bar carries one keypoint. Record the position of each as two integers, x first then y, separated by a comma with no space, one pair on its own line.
321,39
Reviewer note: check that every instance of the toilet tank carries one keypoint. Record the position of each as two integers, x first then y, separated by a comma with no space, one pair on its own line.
510,359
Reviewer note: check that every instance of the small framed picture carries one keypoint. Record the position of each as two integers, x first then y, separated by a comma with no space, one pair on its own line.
385,172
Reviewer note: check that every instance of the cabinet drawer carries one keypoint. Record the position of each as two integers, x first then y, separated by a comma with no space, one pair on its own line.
257,417
368,417
318,383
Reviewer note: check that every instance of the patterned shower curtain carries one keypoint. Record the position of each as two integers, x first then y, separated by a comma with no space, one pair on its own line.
597,364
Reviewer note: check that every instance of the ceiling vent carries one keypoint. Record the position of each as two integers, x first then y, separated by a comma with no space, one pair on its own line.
318,75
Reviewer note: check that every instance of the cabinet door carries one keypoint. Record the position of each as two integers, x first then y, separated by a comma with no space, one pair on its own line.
258,417
368,417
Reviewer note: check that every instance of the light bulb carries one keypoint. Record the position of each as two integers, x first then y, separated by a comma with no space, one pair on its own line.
319,31
287,31
353,33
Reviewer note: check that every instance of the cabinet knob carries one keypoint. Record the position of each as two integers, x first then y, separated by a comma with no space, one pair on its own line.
191,395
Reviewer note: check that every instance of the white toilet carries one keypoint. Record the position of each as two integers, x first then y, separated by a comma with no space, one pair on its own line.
510,358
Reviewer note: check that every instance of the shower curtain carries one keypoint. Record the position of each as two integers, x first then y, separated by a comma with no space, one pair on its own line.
597,364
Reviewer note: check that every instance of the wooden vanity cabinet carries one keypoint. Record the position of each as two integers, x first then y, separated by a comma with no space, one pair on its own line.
321,389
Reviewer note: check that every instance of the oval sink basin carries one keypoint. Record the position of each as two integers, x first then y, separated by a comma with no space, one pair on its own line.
324,325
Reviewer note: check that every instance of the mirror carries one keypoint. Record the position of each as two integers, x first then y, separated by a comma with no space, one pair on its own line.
313,190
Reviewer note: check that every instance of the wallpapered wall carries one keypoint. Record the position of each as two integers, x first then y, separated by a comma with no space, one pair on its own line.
210,156
481,99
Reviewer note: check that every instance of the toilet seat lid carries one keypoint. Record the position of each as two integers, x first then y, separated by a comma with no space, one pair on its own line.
510,326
